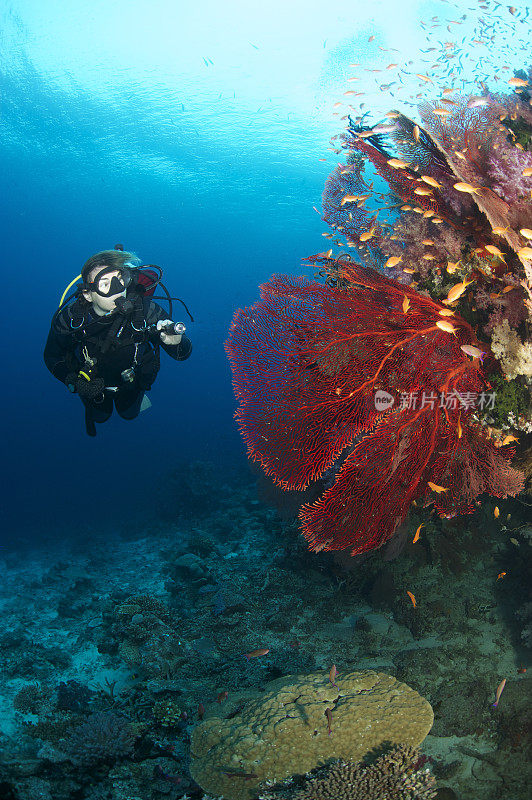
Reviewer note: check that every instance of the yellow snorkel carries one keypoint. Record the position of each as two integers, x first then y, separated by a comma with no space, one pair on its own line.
67,288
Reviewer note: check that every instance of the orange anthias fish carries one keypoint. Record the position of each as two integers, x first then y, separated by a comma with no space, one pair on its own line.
508,439
457,291
436,488
500,690
332,675
262,651
496,512
466,187
445,326
393,261
416,537
412,598
501,575
397,163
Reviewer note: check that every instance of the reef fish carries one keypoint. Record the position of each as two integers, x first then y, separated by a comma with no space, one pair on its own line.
500,690
474,352
262,651
412,598
445,326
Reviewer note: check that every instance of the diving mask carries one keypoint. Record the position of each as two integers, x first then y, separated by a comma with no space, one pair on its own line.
110,281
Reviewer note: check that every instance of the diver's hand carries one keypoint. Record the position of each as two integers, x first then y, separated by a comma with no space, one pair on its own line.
88,385
166,338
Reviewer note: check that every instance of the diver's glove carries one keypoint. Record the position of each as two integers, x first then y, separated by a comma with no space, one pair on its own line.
86,383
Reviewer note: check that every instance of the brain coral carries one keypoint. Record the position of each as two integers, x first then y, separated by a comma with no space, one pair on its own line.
285,729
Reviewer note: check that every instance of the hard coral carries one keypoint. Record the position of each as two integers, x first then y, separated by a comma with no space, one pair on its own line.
396,775
104,737
287,730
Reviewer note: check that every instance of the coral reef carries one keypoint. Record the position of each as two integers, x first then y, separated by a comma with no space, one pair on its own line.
310,363
453,234
399,774
309,719
103,737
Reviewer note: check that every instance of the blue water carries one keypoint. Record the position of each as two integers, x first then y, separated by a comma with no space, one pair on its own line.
216,195
199,136
194,136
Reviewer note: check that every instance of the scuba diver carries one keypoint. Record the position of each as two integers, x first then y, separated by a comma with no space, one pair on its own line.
104,345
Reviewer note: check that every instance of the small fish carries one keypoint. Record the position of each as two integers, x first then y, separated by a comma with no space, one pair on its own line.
527,172
474,352
436,488
427,242
477,102
424,78
457,291
494,251
496,514
406,304
222,696
332,675
498,231
521,670
500,576
446,312
393,261
412,598
441,112
431,181
348,198
422,192
514,541
366,236
452,266
262,651
517,82
397,163
526,232
500,690
466,187
445,326
525,252
240,774
408,270
328,714
416,132
459,430
508,439
416,537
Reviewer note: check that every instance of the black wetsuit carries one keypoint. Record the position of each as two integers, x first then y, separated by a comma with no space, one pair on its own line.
116,346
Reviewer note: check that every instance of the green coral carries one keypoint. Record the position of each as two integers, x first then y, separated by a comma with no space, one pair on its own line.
511,398
167,713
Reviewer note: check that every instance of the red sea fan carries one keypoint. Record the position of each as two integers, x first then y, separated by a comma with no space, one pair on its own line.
307,360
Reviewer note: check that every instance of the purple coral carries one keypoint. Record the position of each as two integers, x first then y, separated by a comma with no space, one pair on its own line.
505,167
104,737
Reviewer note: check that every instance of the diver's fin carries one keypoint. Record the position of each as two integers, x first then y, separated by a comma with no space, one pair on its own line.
90,427
146,403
